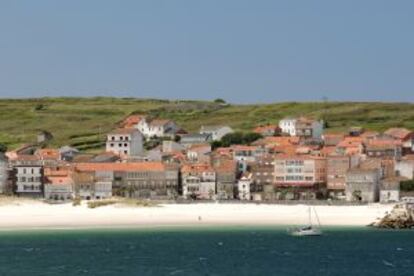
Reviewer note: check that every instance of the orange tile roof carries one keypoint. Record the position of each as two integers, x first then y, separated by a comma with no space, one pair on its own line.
50,154
278,141
196,147
261,129
197,168
125,167
328,150
64,180
350,141
383,143
399,133
243,147
131,121
225,165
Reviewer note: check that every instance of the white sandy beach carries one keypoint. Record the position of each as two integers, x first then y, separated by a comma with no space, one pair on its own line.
24,214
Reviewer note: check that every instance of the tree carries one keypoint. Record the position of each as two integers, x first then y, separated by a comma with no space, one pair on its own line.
237,138
3,148
39,107
407,185
220,101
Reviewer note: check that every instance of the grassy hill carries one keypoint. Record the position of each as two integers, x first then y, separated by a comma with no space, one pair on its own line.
82,122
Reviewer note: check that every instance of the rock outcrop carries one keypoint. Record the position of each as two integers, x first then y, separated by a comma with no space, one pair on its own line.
400,217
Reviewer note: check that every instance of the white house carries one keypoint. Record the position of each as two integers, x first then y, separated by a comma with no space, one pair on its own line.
151,128
243,187
29,180
125,141
390,189
198,181
302,127
288,126
216,132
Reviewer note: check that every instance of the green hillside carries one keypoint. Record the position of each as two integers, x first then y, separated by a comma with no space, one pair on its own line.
82,122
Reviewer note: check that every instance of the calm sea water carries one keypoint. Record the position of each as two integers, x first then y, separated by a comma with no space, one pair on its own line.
206,251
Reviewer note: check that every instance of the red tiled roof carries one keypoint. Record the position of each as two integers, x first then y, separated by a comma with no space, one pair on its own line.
399,133
131,121
50,154
261,129
199,168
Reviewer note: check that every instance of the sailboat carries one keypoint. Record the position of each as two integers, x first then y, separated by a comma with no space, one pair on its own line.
310,229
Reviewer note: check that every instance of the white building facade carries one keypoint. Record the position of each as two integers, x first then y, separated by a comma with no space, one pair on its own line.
29,180
127,142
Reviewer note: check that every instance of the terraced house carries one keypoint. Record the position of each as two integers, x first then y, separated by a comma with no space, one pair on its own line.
198,181
137,180
304,175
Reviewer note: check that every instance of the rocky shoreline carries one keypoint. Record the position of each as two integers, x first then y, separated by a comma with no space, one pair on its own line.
400,217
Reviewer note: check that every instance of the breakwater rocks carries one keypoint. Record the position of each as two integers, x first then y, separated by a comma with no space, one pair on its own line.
400,217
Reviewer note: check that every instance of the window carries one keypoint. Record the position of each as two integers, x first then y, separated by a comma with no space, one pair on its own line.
112,145
113,138
125,151
121,138
126,138
125,145
120,145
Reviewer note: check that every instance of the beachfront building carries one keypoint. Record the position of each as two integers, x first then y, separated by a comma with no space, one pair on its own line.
336,168
362,184
58,182
262,176
301,127
125,142
390,189
243,187
136,179
28,176
299,176
226,170
216,132
198,181
244,155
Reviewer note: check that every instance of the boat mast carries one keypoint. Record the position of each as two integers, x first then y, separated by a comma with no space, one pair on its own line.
317,218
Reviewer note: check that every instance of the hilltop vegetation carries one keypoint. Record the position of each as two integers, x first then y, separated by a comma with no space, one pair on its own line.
83,122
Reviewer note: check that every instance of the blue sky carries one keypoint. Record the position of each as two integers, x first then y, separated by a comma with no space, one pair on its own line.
242,51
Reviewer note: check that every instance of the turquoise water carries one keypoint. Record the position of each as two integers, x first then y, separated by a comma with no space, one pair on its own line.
206,251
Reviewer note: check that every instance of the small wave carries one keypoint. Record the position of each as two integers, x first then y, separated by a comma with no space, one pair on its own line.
388,263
